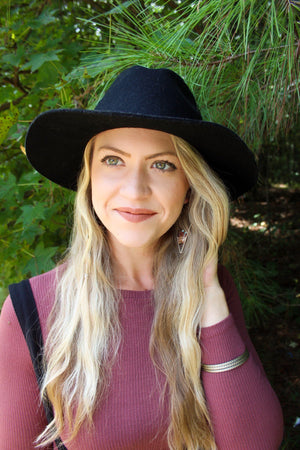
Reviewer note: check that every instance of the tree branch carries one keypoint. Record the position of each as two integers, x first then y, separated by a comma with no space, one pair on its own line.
15,82
15,102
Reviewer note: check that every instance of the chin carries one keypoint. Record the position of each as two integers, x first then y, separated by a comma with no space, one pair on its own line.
134,242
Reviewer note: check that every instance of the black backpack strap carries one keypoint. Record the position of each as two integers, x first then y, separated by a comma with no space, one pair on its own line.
27,314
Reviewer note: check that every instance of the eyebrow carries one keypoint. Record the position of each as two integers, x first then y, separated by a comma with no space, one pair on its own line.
107,147
154,155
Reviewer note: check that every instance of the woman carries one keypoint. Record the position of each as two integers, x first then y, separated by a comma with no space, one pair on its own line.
145,341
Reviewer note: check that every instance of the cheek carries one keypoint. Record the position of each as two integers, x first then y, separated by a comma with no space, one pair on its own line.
99,185
175,199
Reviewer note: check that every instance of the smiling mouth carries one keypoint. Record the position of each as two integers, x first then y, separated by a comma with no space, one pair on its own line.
135,215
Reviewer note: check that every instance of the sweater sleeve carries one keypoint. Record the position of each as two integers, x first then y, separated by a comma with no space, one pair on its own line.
22,416
244,409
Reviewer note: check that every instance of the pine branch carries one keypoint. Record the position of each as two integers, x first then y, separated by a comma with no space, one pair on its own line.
185,62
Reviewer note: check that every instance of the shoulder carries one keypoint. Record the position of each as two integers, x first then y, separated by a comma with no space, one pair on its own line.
43,288
44,283
13,349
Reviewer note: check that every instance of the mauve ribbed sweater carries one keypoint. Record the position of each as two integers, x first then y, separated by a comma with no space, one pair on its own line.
244,409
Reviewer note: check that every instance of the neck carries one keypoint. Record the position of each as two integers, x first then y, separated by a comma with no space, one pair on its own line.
133,268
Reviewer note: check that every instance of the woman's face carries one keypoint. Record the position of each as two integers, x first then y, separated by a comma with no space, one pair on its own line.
138,185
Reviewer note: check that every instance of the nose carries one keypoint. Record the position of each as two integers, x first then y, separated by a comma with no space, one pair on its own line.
136,184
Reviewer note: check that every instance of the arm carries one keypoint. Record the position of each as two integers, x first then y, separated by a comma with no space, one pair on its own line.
22,416
244,410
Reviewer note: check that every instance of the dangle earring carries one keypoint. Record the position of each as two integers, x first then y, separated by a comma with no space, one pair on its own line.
183,234
182,238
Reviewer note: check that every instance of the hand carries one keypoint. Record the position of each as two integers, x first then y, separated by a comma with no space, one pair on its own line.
215,308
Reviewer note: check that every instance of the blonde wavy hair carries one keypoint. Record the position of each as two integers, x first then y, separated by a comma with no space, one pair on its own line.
84,326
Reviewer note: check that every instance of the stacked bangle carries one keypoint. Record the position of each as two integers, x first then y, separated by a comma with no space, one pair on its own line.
229,365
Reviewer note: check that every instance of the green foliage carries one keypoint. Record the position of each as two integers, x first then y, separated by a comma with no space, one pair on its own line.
240,58
255,281
35,225
41,44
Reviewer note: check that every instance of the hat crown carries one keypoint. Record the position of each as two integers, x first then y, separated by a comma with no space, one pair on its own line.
150,92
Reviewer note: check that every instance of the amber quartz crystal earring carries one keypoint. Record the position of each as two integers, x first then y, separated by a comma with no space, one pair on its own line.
182,238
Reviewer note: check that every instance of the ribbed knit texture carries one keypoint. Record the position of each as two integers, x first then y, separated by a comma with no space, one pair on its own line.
244,409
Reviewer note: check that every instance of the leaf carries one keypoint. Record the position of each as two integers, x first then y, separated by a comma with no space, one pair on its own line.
30,178
47,74
7,120
31,232
37,60
46,17
14,58
42,261
31,213
7,187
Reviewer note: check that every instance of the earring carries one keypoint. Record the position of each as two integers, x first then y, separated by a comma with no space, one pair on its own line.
181,239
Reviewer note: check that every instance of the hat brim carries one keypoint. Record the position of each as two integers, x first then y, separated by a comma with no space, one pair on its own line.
56,140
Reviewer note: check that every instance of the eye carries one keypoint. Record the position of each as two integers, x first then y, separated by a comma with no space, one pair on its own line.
112,161
164,166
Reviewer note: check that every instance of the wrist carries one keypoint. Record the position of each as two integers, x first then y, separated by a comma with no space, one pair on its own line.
215,306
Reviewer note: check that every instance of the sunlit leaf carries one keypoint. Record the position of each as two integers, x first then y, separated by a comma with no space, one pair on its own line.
7,120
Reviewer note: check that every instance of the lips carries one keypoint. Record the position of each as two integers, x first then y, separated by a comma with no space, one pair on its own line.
135,215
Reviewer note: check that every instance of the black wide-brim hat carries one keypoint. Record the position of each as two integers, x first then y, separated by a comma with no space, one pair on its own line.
155,99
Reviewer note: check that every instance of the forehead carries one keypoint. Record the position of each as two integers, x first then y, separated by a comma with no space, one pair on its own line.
135,138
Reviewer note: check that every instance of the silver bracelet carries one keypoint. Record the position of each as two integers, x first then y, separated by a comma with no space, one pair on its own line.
229,365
